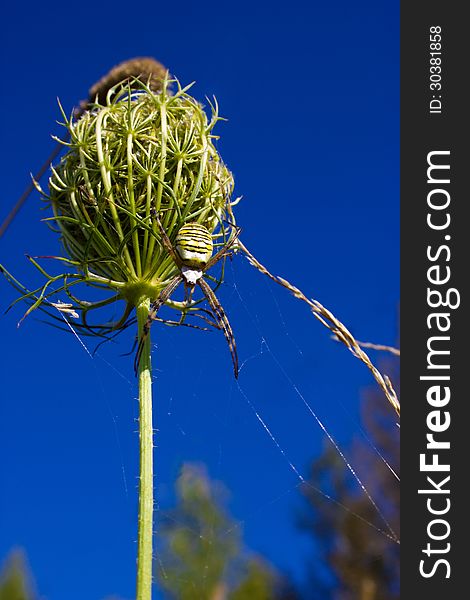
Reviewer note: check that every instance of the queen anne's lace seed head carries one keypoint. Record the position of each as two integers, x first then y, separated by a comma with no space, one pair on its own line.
138,164
139,155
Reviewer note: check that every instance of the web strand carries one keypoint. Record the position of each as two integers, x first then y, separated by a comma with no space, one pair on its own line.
353,472
303,481
113,418
375,346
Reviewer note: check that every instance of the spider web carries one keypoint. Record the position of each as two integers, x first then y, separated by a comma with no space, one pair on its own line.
240,392
170,410
389,532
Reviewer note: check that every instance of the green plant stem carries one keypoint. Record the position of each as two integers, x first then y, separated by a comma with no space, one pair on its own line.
145,528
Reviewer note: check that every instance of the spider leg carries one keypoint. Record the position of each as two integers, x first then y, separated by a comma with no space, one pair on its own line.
167,243
154,308
190,289
222,321
207,317
224,250
188,295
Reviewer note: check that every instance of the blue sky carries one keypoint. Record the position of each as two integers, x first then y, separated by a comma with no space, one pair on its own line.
311,94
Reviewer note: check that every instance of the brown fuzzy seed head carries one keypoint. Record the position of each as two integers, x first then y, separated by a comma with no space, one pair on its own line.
147,70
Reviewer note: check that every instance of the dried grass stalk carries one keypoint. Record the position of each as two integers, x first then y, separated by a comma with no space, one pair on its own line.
340,332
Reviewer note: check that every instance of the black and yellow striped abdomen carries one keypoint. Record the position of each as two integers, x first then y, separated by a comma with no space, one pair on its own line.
194,245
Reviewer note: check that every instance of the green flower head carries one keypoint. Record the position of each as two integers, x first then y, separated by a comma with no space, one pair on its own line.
141,155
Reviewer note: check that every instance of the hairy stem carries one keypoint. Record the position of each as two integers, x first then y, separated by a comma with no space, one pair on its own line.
145,528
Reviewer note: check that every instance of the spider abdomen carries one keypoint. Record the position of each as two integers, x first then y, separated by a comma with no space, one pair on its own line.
194,245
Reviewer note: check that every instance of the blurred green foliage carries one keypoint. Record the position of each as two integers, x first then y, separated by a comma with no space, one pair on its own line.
15,580
202,556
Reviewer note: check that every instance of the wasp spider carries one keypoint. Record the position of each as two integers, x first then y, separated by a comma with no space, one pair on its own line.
192,254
